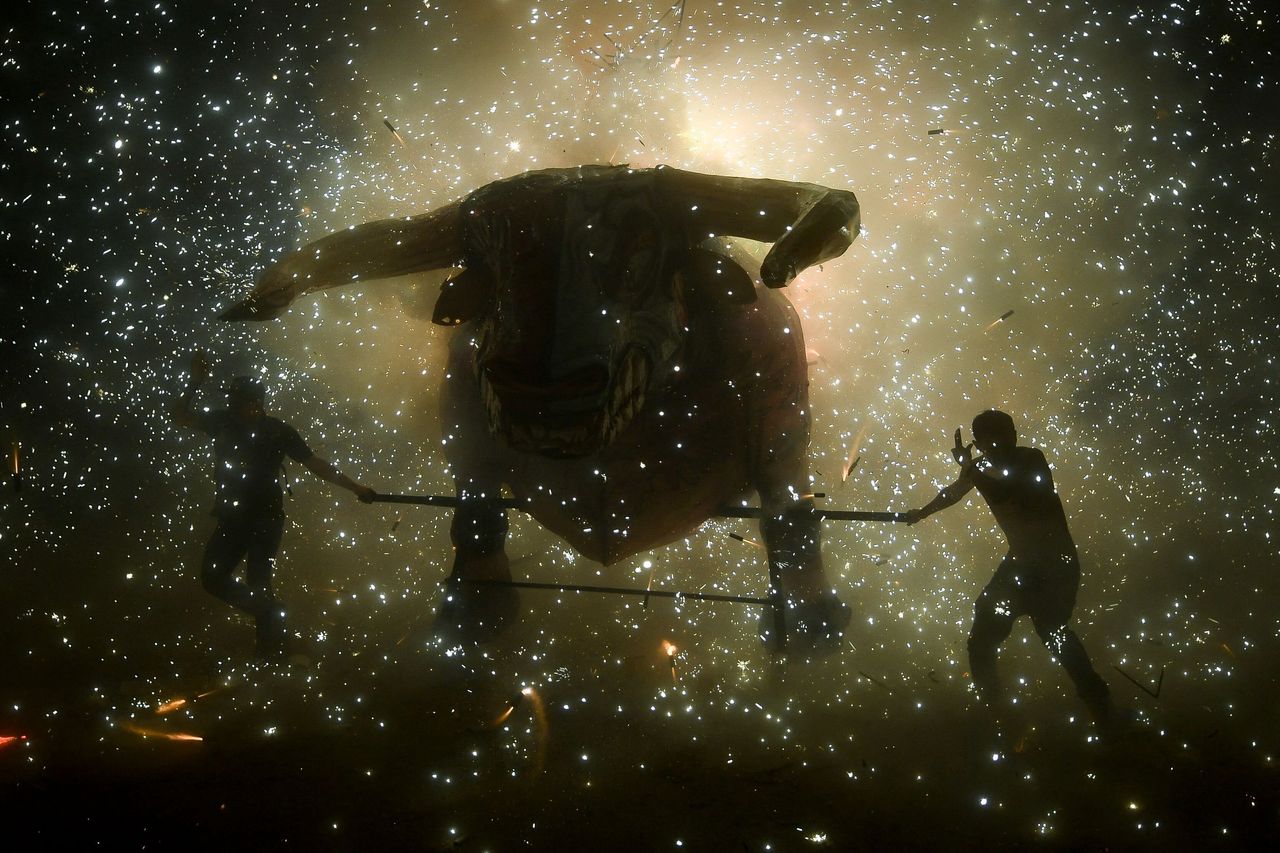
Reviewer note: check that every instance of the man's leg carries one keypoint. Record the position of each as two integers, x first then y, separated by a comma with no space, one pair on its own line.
993,616
1050,610
264,542
1064,645
227,547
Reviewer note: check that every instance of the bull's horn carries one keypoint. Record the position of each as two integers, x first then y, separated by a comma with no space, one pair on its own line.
807,223
382,249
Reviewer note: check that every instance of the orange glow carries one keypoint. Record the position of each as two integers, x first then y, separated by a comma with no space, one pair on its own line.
15,458
6,740
670,648
163,735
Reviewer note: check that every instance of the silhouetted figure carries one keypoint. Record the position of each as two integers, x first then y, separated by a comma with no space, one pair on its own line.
249,449
1040,574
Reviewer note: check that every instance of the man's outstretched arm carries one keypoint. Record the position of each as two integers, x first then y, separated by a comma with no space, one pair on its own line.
950,496
180,413
325,470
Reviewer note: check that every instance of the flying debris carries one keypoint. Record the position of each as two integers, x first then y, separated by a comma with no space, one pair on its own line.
17,471
670,649
512,704
874,680
9,740
174,704
1005,316
1154,694
142,731
854,457
937,131
394,132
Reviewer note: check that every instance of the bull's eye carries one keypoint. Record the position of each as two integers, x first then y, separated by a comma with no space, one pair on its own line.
463,297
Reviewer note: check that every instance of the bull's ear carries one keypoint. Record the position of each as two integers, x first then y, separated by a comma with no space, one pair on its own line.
463,297
713,273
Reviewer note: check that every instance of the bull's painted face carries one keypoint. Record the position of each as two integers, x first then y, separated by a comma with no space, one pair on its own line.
575,306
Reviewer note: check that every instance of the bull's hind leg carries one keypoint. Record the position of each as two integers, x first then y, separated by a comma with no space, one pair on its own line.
814,615
475,606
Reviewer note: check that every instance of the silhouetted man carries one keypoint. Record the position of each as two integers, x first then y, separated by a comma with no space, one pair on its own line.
1040,574
249,449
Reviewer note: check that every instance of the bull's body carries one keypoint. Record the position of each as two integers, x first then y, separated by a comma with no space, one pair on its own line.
731,421
612,366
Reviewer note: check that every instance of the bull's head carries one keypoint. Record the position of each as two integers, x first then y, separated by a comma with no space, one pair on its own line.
575,281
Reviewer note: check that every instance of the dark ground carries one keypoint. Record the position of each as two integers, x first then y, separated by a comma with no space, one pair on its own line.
397,747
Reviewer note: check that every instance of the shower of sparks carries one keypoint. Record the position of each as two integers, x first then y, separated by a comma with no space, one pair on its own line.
1107,168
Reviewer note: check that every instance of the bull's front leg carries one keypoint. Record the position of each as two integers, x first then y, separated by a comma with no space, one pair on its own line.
476,605
483,606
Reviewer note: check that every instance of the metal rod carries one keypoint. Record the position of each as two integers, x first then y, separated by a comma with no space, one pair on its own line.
721,511
618,590
828,514
444,500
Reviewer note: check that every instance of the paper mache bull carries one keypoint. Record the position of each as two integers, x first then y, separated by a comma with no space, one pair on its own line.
614,364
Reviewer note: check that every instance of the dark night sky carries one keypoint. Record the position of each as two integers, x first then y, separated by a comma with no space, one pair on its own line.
1107,173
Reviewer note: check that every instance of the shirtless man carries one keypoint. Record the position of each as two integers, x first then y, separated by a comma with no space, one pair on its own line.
1040,574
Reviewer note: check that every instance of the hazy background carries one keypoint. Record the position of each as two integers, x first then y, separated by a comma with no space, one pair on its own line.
1105,173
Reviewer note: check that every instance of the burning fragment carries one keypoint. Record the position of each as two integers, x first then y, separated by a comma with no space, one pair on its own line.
512,704
671,650
1005,316
394,132
854,457
175,704
142,731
